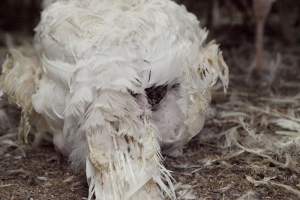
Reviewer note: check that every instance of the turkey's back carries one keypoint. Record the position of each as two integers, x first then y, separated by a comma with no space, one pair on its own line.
119,44
153,35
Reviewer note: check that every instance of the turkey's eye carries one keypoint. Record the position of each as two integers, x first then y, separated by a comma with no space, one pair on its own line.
155,94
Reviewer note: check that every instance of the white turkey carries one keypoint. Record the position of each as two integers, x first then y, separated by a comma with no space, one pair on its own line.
113,81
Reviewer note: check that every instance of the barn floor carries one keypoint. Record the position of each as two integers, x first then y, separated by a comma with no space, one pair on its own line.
223,162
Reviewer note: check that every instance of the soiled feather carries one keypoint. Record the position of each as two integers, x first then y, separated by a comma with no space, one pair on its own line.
97,61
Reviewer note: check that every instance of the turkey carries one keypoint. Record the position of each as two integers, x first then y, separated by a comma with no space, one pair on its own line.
114,81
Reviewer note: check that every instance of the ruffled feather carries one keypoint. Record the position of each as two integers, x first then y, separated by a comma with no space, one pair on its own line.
87,80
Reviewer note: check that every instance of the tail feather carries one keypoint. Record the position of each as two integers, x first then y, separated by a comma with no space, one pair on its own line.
123,161
126,171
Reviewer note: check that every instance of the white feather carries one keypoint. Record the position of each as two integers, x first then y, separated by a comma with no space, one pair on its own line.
93,55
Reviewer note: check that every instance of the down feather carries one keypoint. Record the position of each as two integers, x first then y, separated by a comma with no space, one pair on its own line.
114,81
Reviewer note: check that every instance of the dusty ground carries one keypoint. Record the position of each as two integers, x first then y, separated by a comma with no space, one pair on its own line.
213,166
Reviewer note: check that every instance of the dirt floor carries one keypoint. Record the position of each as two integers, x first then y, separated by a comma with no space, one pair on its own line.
221,163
